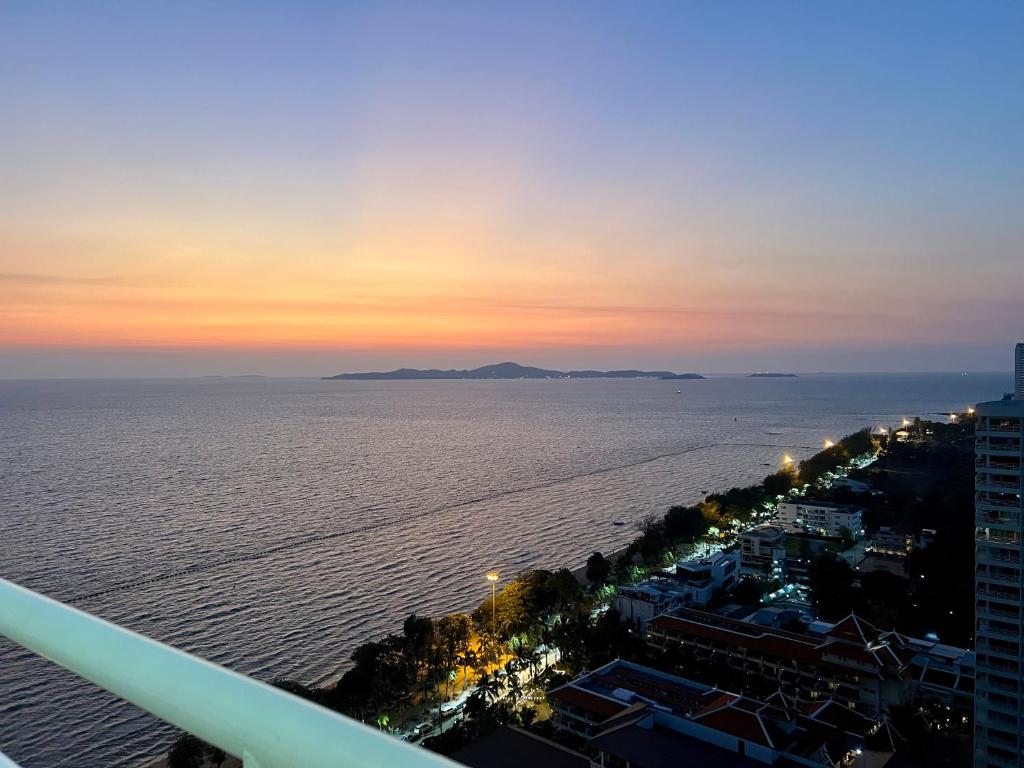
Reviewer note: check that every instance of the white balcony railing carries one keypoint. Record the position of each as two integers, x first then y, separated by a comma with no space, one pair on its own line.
262,725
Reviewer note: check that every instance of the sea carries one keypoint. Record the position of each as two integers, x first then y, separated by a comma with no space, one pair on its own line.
273,525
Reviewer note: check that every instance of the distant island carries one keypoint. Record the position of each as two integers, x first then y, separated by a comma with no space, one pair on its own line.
511,371
773,375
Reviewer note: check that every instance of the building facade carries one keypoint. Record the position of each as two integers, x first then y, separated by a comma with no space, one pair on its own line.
820,517
999,607
763,550
851,662
1018,372
687,584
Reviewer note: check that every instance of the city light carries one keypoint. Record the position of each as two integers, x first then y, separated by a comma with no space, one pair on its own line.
906,422
828,443
952,417
787,459
970,410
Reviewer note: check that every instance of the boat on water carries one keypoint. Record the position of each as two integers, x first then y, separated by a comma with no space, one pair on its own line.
618,522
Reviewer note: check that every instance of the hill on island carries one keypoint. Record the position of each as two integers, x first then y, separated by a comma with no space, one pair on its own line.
512,371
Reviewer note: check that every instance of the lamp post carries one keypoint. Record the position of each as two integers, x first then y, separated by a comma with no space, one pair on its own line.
492,577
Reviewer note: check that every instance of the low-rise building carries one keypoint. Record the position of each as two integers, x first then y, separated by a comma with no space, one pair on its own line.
763,550
820,517
888,541
689,583
849,484
636,716
851,661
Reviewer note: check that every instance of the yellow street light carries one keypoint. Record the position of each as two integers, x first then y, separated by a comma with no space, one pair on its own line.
787,459
828,443
970,410
906,422
492,576
952,417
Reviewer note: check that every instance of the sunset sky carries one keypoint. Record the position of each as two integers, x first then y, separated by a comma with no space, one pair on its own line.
306,188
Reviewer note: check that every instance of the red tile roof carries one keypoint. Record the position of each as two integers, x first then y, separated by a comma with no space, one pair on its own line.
593,704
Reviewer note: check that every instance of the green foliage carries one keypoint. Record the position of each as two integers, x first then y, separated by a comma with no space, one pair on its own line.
832,590
779,483
685,525
598,568
186,752
748,592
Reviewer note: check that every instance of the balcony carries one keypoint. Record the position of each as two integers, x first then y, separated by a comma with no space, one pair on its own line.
985,445
998,428
263,726
1000,482
989,555
984,609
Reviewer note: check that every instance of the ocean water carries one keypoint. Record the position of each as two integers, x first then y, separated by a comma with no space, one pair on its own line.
272,525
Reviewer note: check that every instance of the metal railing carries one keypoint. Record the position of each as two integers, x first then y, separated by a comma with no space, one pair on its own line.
262,725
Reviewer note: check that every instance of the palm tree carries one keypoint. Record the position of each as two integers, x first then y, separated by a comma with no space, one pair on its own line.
468,659
489,686
535,662
512,684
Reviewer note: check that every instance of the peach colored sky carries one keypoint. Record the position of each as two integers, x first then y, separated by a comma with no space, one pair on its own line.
401,186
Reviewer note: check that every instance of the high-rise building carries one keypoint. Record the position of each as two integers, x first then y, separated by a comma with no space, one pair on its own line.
999,607
1018,389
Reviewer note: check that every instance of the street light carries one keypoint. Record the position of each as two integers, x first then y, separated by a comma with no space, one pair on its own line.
492,577
828,443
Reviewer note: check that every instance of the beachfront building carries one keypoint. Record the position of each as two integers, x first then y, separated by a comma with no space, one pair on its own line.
849,484
639,717
850,662
820,517
763,551
689,583
999,608
890,542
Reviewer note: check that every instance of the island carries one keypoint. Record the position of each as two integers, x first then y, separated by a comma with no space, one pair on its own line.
510,371
773,376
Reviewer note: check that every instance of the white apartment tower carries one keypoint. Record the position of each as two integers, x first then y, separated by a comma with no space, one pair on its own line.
999,606
1018,389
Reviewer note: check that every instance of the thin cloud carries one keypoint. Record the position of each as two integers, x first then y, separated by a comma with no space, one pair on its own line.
27,278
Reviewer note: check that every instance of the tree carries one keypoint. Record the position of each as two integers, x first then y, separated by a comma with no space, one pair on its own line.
215,755
489,687
468,660
598,568
747,592
780,483
527,715
186,752
685,524
512,683
832,589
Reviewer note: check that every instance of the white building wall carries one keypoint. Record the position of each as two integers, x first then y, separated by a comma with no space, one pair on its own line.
999,605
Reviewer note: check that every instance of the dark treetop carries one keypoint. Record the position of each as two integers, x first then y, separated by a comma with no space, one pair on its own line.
513,371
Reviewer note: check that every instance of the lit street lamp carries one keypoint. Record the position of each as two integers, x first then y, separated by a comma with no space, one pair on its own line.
492,577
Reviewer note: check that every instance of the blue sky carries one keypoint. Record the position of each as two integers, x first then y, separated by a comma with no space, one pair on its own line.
710,186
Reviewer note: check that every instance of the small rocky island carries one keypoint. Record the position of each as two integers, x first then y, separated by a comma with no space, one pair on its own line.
773,376
510,371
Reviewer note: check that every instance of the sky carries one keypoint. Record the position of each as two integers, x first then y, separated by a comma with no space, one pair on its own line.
191,188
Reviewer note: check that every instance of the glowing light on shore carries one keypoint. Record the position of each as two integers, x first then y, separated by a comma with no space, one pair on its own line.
906,422
787,460
952,417
970,410
828,443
